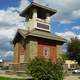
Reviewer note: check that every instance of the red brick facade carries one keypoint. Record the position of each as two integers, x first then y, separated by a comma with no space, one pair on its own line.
41,46
19,51
52,50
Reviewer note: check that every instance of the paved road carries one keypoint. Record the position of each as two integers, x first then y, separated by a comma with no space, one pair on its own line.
72,77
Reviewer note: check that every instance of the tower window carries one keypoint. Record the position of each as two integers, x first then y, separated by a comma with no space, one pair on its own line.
43,26
41,14
46,52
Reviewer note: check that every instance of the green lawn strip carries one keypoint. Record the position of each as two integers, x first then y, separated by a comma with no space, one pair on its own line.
6,78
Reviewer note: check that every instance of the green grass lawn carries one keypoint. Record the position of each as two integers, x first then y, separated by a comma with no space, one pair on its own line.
4,78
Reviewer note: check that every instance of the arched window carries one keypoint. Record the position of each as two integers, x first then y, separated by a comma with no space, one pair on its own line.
46,52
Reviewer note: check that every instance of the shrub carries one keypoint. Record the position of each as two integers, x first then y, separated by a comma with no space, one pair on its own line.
40,69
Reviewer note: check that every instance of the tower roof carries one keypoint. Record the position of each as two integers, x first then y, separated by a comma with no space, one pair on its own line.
39,34
37,6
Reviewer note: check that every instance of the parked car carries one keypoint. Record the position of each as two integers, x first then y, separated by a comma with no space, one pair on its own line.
76,71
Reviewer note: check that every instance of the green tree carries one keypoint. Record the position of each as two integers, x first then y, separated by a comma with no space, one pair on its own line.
40,69
74,49
64,56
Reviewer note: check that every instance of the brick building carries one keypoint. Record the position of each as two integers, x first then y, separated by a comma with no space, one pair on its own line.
36,40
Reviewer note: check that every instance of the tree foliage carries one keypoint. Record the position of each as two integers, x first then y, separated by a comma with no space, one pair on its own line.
40,69
64,56
74,49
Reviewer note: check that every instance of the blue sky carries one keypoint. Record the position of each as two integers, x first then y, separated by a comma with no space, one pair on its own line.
4,4
65,23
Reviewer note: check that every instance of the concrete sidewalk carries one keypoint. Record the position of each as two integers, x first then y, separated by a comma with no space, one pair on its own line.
72,77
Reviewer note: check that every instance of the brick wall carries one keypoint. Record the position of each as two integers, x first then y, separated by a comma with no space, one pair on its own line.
52,54
18,52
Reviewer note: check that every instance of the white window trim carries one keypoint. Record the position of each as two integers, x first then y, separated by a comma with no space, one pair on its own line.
48,53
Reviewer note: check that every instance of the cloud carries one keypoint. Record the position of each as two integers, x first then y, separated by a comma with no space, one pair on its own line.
68,35
6,33
10,21
8,56
76,13
5,45
6,36
9,53
76,28
23,4
79,36
10,17
65,8
65,22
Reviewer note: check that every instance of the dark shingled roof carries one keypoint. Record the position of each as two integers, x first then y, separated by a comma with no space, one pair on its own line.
36,5
40,34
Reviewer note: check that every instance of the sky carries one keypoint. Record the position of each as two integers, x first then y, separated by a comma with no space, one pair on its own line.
65,23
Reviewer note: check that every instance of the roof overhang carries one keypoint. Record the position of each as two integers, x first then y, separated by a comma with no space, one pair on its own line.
38,34
37,6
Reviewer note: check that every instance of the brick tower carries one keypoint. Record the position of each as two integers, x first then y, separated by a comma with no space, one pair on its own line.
36,40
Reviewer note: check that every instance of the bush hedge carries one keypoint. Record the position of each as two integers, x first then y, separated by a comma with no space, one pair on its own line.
40,69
